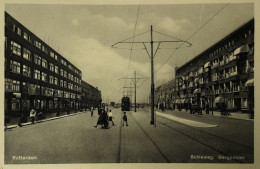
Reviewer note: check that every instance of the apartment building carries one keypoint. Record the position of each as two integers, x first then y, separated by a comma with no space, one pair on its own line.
36,75
224,73
90,96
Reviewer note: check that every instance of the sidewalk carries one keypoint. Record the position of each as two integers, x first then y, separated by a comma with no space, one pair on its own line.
40,121
233,115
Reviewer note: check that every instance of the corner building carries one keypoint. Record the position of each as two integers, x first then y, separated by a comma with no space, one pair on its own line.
36,75
224,73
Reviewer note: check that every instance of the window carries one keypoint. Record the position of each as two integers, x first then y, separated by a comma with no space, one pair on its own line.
27,54
25,36
44,77
52,54
70,86
5,42
15,104
70,67
65,84
65,74
15,48
37,44
61,83
61,72
44,49
15,86
44,63
37,59
56,81
55,57
17,30
8,85
37,74
51,67
56,69
51,79
26,71
15,67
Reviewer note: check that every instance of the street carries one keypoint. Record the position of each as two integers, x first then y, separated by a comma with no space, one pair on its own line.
74,139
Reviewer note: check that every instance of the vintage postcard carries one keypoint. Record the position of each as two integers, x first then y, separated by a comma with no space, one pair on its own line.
136,84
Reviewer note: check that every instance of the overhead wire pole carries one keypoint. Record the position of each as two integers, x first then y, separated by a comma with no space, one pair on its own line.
135,81
152,82
152,55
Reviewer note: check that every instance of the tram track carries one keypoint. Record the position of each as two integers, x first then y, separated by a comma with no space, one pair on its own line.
200,141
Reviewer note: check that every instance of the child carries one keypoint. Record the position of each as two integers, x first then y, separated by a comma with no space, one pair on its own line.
125,119
110,117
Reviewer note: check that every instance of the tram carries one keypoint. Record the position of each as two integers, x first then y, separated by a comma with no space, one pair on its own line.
125,104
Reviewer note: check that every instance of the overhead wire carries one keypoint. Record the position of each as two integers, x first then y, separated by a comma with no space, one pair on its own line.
131,51
192,36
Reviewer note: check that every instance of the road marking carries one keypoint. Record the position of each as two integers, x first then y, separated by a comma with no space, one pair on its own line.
185,121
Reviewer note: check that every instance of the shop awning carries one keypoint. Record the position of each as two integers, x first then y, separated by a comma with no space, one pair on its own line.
196,80
182,101
241,49
219,99
178,101
187,101
250,82
207,65
197,91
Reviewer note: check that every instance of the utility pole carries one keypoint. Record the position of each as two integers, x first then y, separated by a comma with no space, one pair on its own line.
135,81
151,55
152,82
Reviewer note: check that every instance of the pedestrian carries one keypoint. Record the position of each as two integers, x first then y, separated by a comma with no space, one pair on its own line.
207,108
91,109
125,119
32,115
104,119
99,122
110,117
22,120
99,111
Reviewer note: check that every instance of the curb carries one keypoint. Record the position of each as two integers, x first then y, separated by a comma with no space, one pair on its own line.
44,120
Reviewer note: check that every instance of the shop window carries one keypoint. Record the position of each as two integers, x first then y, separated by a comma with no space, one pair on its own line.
50,104
15,104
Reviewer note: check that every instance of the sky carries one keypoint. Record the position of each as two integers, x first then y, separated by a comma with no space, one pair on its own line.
84,34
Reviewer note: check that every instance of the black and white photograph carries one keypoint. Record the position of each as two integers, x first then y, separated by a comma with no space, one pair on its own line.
129,83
